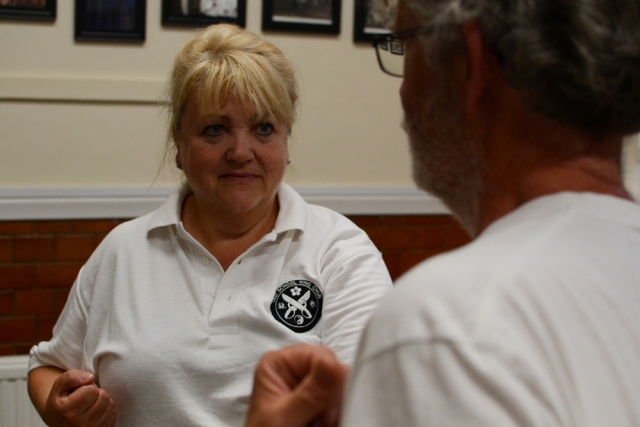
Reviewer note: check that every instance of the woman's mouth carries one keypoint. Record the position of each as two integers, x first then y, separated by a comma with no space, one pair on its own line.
239,176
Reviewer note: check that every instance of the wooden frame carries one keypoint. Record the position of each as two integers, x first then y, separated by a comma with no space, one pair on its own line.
29,10
365,27
110,20
308,16
188,14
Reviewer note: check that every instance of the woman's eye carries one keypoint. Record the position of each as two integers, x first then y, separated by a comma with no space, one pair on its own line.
265,128
213,130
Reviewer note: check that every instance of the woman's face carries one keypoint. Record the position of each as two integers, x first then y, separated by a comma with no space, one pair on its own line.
234,162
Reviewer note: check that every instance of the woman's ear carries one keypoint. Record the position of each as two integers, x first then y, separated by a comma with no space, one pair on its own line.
178,158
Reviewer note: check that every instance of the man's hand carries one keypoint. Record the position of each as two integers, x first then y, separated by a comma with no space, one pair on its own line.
77,401
297,386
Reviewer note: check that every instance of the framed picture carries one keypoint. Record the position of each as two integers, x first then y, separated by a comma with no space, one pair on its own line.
311,16
110,20
200,13
366,25
32,10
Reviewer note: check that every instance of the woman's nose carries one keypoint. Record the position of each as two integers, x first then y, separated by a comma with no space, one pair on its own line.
241,149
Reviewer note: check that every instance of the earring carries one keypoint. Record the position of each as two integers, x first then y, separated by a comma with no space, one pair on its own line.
289,161
179,165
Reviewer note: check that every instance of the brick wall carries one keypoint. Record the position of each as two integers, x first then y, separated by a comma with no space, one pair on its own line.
406,240
39,261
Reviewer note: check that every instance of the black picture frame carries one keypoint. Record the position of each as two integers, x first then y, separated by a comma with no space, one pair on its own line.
110,20
307,16
365,27
174,15
29,10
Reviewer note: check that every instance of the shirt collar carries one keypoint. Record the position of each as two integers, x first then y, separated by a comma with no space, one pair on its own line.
169,212
292,214
293,210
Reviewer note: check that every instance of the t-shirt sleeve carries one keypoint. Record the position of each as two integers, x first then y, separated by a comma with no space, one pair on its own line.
64,350
352,292
435,383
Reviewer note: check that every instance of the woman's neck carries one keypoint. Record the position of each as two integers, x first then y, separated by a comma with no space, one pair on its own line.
226,235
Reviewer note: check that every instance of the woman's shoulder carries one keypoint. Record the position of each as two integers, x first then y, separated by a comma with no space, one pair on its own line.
329,222
126,231
125,238
314,220
333,235
336,237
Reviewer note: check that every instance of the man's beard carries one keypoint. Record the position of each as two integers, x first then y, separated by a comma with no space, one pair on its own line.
448,165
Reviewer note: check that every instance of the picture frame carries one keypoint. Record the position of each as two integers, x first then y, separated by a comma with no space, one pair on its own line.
28,10
190,13
110,20
308,16
365,25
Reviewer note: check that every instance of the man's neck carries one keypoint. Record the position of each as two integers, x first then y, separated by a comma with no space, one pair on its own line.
534,157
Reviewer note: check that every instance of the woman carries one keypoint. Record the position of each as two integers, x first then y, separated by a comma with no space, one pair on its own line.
169,316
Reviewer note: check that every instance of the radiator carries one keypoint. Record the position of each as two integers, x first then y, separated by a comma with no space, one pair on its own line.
16,409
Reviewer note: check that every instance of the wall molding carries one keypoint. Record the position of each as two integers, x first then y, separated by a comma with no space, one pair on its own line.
82,89
119,203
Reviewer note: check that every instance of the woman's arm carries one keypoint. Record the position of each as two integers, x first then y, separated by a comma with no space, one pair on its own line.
70,399
352,291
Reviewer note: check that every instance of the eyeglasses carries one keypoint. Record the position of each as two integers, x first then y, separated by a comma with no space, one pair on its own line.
390,49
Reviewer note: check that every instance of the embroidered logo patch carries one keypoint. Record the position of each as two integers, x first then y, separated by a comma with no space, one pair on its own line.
297,305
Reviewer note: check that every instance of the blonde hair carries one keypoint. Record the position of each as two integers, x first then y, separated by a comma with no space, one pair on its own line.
223,59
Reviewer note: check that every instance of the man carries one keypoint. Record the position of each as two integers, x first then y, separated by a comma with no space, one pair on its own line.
515,112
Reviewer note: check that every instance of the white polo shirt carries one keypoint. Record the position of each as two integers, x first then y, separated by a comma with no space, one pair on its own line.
535,323
174,339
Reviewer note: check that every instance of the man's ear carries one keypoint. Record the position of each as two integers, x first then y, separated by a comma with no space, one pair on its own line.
481,67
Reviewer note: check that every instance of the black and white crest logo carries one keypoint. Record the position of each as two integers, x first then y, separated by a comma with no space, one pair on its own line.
297,305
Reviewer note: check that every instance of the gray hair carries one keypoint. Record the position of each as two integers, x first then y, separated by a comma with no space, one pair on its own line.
576,61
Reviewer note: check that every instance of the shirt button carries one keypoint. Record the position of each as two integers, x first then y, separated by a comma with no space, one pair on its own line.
205,261
213,294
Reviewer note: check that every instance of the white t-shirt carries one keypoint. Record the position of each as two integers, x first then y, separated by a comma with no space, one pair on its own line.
535,323
174,339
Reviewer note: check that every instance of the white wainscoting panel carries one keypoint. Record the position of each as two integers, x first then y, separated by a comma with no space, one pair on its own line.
16,409
631,165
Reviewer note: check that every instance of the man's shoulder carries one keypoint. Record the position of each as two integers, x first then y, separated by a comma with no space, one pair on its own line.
520,264
441,298
449,296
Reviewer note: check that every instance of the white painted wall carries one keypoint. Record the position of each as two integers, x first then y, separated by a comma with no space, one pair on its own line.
84,114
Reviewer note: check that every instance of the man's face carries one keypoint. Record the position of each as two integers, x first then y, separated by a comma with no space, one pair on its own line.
446,160
417,75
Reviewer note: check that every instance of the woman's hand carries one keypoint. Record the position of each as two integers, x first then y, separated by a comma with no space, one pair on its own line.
73,400
297,386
